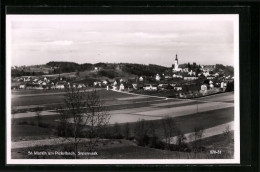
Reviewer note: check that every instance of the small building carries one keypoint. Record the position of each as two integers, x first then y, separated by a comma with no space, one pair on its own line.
189,78
115,83
135,86
177,76
168,77
97,68
157,77
22,86
60,85
141,78
204,87
177,88
150,87
105,82
122,87
210,77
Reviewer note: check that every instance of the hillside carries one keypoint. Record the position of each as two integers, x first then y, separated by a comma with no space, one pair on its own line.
107,70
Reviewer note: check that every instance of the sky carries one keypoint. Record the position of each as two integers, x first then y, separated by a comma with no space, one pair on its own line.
143,39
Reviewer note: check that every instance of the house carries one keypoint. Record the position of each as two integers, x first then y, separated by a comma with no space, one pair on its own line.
157,77
207,68
97,69
121,87
190,78
177,87
97,83
141,78
22,86
191,73
210,77
105,82
177,76
135,86
216,74
114,87
168,77
81,86
164,87
185,70
203,89
115,83
150,87
60,85
121,80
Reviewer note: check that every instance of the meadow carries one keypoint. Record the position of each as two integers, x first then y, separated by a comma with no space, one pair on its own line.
125,109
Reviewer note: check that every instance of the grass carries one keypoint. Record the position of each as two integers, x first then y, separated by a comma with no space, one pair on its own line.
59,98
29,130
111,149
125,149
184,123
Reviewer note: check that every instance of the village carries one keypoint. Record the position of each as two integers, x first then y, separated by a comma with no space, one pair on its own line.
182,81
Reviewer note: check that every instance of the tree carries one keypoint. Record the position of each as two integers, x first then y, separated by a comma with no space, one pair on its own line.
97,118
83,115
127,130
196,137
38,115
141,133
169,127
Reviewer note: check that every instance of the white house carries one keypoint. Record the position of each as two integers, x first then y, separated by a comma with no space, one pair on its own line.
150,87
210,77
203,87
22,86
134,85
177,76
190,77
60,86
141,78
177,88
121,87
105,82
157,77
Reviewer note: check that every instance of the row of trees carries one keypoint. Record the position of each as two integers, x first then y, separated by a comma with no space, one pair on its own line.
82,116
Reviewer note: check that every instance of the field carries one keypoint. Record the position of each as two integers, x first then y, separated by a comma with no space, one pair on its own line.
207,113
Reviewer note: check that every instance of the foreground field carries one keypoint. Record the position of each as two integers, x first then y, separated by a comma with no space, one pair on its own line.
126,149
204,113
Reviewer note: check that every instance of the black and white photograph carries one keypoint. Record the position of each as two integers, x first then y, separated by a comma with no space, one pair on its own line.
122,89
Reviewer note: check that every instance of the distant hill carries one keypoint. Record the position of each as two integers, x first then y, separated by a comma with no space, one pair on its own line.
110,70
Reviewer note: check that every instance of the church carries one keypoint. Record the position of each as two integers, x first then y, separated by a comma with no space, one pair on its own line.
176,65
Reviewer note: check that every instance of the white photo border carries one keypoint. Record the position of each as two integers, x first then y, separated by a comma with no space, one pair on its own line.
141,17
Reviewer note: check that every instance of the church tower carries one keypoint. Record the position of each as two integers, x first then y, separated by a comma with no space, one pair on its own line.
176,65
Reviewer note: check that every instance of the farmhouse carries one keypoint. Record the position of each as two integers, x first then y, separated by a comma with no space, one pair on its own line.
177,87
60,85
210,77
190,78
150,87
157,77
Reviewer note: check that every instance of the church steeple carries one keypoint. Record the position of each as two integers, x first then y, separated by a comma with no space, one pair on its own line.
176,57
